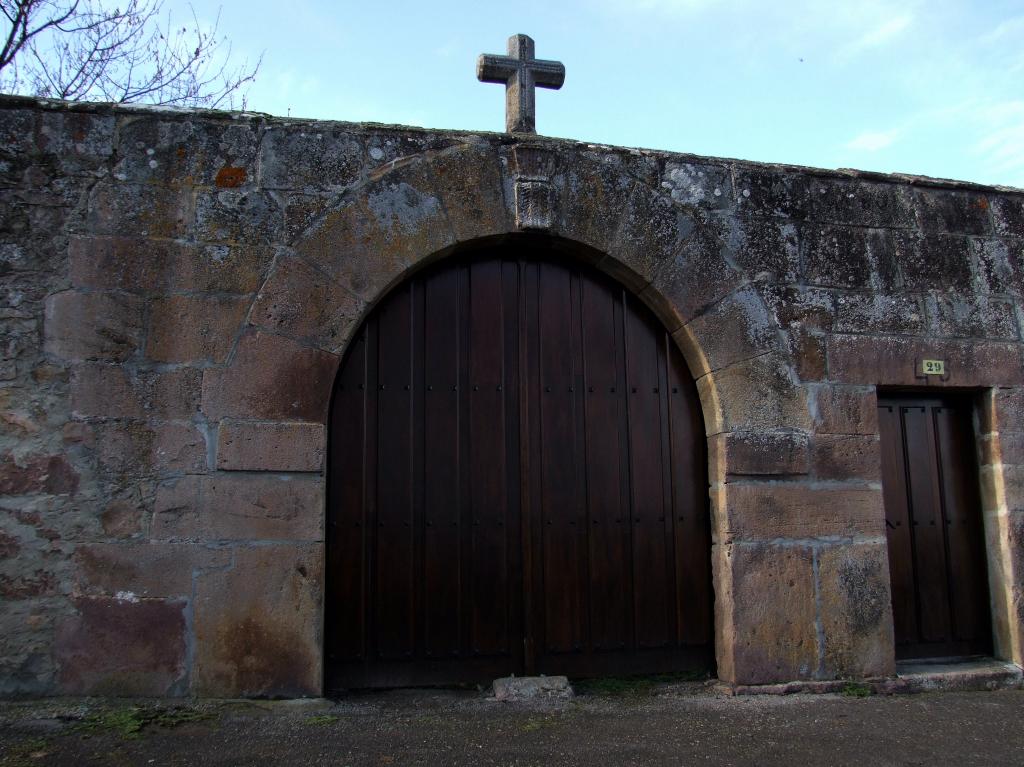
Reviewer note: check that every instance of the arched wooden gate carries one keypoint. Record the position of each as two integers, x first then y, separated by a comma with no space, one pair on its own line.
517,483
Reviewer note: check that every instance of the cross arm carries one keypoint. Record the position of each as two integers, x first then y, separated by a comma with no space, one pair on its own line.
548,74
495,69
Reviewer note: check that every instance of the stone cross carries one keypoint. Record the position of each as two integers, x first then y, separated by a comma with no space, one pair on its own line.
520,72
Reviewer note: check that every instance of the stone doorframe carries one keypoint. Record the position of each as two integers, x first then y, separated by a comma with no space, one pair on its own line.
799,558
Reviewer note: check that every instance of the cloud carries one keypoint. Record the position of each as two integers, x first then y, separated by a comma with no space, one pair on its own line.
878,35
665,7
1001,146
873,141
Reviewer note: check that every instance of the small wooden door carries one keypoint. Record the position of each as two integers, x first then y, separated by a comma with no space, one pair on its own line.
517,483
934,527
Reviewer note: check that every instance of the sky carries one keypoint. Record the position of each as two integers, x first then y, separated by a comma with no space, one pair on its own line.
930,87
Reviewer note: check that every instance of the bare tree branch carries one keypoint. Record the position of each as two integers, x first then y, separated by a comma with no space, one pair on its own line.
78,49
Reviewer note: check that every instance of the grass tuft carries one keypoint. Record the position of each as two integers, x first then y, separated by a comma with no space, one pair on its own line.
129,722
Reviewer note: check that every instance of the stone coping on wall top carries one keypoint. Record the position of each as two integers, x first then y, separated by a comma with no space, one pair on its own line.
8,101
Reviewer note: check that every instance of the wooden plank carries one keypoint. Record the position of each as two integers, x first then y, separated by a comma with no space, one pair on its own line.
692,525
486,461
897,522
563,602
395,581
650,562
967,572
926,521
608,545
443,457
346,572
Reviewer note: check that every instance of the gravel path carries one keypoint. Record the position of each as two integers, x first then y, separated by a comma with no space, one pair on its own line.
683,724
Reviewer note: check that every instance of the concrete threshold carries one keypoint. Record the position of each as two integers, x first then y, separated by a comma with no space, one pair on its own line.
973,674
911,677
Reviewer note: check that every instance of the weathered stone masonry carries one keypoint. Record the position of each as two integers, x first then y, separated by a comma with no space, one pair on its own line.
178,289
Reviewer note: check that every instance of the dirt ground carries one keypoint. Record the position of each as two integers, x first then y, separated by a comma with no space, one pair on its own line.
680,724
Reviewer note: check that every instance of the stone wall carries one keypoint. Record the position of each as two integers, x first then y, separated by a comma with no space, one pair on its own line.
178,289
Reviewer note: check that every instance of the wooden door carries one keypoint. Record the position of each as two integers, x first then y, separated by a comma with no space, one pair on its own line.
934,527
517,484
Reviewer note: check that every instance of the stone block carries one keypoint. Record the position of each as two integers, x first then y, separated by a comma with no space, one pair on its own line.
773,633
764,249
157,266
849,257
133,571
698,185
122,519
511,688
846,410
879,313
240,507
194,328
37,473
756,511
185,149
856,613
100,390
137,449
998,264
301,212
940,210
846,456
895,361
809,352
1008,214
239,216
861,203
976,316
258,625
27,667
736,328
123,647
79,142
758,453
257,446
302,302
1008,407
651,231
139,210
800,305
368,242
469,181
586,192
933,261
758,394
304,157
18,132
766,191
271,378
84,326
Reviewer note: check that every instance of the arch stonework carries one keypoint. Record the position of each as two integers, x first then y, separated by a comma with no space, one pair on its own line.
197,278
417,211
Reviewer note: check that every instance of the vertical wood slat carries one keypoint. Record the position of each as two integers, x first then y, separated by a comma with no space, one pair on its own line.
396,581
926,519
897,522
489,560
559,502
345,531
647,482
443,459
604,452
969,609
692,528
